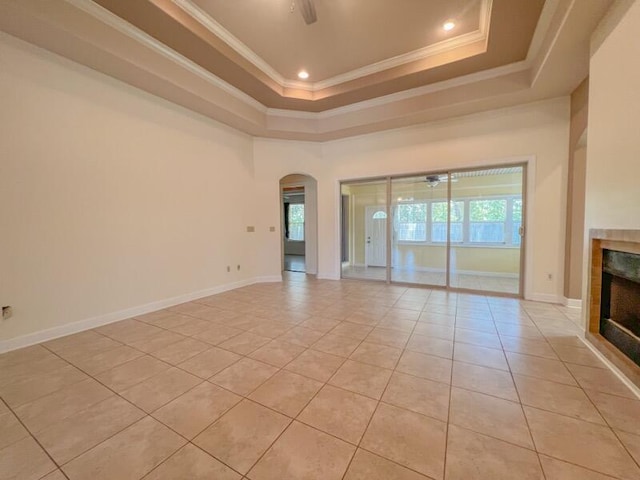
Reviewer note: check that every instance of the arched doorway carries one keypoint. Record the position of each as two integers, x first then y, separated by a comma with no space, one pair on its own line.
299,224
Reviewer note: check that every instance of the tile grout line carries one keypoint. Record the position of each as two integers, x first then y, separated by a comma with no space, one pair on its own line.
246,397
145,415
379,401
208,380
524,415
446,438
607,424
307,348
150,414
320,389
33,437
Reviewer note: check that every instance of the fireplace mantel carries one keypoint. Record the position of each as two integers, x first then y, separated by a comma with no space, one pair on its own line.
627,241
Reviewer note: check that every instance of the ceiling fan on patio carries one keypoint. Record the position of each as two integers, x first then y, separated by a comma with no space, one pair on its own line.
307,9
435,180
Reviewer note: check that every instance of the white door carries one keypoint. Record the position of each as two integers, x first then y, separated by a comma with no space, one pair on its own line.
376,237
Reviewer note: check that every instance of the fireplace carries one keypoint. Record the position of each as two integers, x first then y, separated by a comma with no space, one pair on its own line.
614,298
620,302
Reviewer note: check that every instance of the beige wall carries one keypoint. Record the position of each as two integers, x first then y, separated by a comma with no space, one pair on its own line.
613,152
576,191
111,198
539,131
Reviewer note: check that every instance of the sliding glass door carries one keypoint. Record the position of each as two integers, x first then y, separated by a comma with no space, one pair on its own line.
365,253
487,255
460,229
419,229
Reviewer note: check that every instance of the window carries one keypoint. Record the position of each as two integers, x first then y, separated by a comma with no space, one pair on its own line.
439,221
412,222
474,221
296,222
487,221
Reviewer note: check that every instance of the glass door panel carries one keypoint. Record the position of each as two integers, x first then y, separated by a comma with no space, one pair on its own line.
486,216
364,253
419,229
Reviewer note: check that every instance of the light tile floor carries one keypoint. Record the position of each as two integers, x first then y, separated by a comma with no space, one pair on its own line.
326,380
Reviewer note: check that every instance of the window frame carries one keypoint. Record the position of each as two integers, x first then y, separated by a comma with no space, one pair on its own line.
291,205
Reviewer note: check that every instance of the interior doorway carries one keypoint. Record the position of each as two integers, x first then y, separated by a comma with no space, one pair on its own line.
298,202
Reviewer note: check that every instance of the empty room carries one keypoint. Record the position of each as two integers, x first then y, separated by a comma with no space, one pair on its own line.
319,240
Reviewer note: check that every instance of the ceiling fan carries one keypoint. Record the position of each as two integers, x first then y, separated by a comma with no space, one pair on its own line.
307,9
435,180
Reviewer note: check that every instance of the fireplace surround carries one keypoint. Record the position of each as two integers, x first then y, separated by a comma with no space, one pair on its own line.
614,298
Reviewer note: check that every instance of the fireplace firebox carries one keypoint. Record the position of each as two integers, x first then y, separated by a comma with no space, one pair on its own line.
613,326
620,302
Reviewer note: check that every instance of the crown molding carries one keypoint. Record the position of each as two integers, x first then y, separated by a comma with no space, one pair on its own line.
420,54
406,94
122,26
544,23
482,34
227,37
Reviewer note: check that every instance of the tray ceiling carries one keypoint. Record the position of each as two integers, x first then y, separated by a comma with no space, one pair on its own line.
347,37
373,64
357,50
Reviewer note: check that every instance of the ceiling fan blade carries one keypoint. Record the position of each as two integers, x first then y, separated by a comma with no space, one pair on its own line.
308,11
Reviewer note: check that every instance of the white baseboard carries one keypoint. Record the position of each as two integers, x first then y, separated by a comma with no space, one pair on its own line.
268,279
98,321
328,276
572,302
623,378
545,298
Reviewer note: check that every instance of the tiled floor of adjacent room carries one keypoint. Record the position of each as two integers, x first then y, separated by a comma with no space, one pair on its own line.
294,263
487,283
321,380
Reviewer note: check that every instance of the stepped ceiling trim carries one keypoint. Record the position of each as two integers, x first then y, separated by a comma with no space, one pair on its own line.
88,32
480,35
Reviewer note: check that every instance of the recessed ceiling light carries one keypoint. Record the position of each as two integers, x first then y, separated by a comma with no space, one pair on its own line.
303,75
450,25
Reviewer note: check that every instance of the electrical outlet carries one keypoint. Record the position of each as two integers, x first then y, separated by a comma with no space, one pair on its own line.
272,229
549,276
7,312
228,268
238,267
251,229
